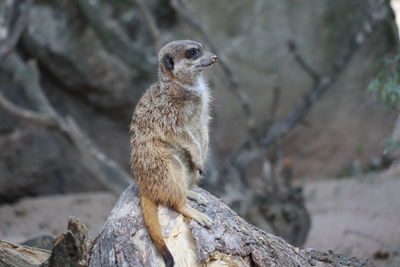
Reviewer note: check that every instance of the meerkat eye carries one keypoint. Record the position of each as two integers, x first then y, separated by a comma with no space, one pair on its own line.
192,53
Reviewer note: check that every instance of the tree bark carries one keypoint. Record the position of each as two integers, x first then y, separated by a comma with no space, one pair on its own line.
230,241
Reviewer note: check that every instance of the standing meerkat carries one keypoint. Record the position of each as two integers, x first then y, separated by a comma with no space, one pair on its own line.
169,136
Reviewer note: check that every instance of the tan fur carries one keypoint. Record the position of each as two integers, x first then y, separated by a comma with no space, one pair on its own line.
169,137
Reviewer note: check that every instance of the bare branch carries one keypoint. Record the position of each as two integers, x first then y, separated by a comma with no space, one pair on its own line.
25,113
181,7
27,74
276,96
7,45
107,171
112,36
279,129
296,114
150,22
321,85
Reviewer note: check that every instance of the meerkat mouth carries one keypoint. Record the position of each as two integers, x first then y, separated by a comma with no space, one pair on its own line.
208,64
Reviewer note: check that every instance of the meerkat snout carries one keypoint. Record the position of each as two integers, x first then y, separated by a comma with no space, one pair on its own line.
207,60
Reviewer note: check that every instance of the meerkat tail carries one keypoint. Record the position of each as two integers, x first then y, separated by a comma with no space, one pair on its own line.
149,210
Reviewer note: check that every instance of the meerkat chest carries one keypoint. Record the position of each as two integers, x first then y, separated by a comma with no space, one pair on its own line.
201,88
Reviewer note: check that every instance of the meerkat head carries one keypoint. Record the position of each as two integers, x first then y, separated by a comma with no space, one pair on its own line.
184,61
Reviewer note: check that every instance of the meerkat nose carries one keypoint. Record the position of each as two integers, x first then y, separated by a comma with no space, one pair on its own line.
214,58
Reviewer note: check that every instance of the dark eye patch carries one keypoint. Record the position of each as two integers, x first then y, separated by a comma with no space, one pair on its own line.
192,53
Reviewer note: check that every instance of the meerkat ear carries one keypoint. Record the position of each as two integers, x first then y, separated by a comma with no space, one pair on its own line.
168,62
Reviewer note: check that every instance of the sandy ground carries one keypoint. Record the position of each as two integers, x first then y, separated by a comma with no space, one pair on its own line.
49,215
357,217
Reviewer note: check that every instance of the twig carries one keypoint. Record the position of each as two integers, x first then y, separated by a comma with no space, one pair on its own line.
180,6
150,22
276,96
106,171
296,114
7,45
292,47
113,37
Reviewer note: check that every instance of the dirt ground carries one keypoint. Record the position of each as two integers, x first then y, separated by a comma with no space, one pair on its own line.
358,216
49,215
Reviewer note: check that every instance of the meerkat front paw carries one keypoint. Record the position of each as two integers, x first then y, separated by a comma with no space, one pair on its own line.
197,197
203,220
192,213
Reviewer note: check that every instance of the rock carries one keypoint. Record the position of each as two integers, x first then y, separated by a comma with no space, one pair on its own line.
40,162
70,51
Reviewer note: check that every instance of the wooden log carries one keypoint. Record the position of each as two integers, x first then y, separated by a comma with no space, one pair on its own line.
16,255
230,241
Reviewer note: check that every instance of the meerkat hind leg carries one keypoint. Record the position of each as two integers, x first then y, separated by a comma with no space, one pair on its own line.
196,197
192,213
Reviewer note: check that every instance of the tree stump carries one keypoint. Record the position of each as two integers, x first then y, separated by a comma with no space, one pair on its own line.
230,241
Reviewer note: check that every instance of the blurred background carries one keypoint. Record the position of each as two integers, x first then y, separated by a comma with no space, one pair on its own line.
305,130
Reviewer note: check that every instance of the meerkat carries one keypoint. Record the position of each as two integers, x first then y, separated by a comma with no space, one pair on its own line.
169,136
